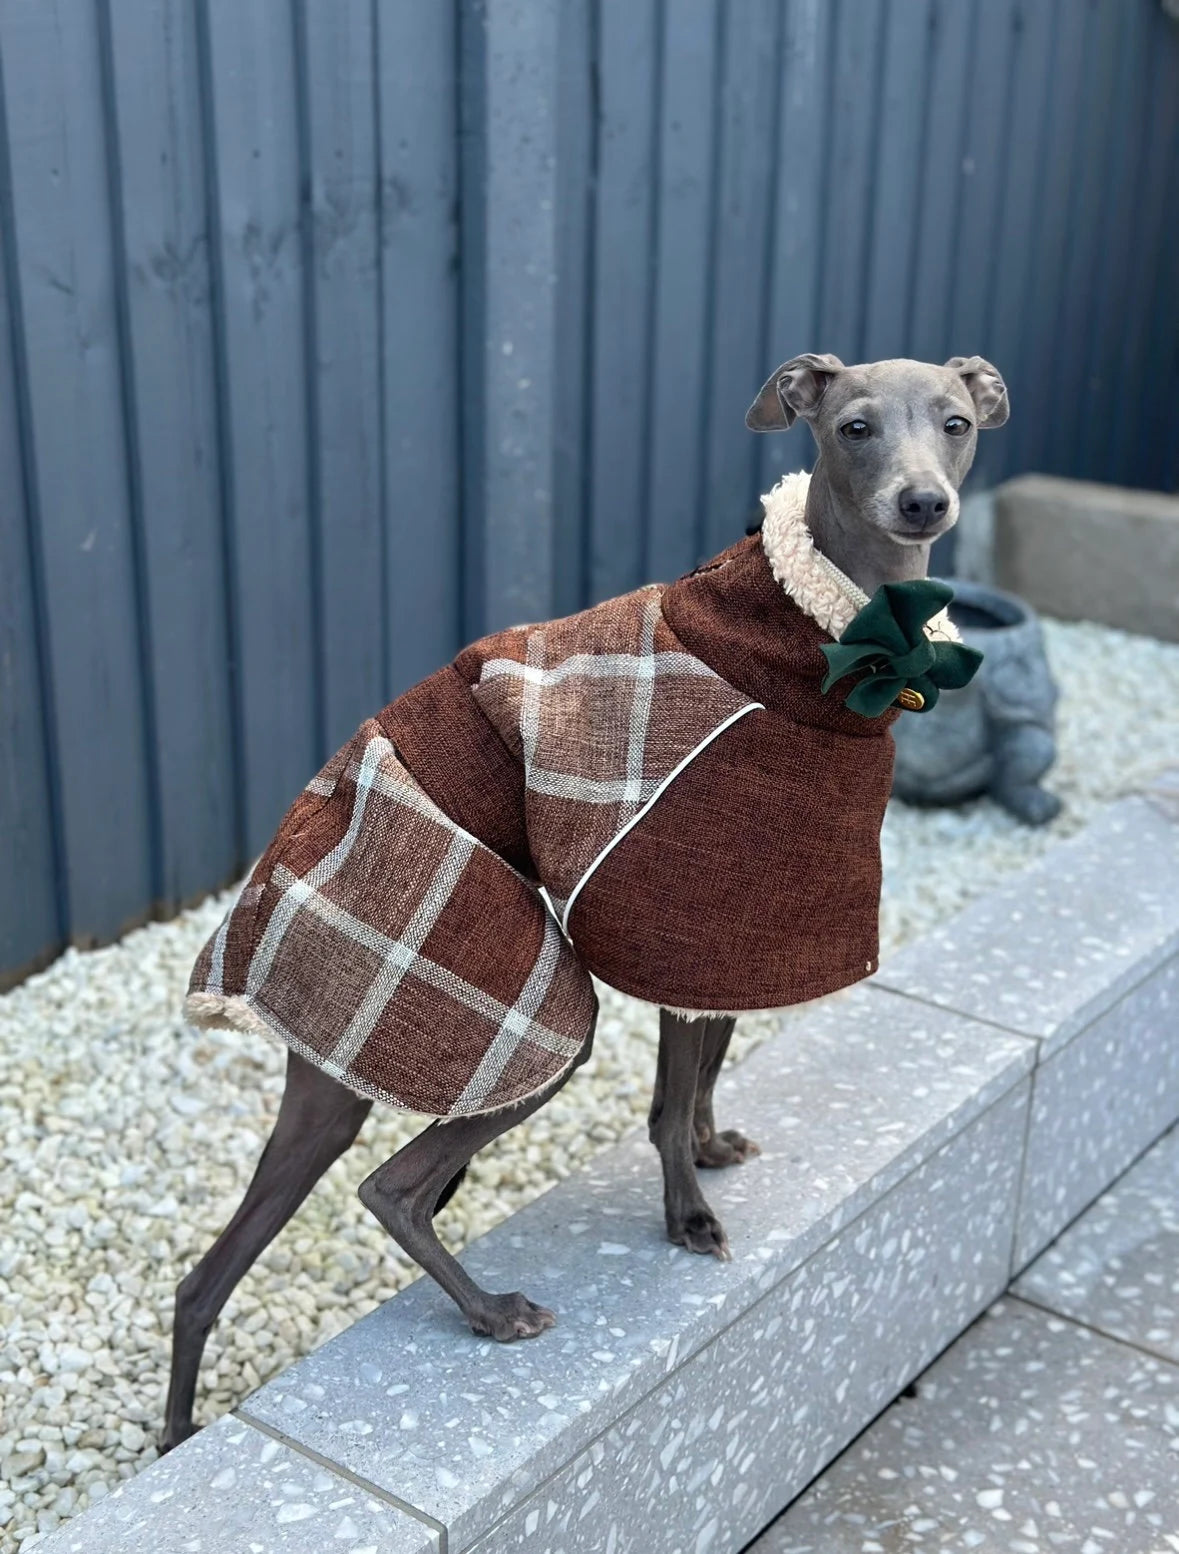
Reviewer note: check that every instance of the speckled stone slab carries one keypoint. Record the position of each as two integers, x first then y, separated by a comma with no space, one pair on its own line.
1096,1105
702,1463
1059,944
233,1490
1031,1435
1117,1267
849,1099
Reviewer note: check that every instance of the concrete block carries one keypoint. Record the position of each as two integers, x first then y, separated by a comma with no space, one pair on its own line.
1063,940
709,1457
1096,1105
853,1097
1089,552
233,1490
1001,1451
1117,1268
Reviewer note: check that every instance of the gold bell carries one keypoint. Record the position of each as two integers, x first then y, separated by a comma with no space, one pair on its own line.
911,700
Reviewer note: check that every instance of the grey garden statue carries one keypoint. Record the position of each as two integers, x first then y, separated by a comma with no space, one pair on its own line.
995,735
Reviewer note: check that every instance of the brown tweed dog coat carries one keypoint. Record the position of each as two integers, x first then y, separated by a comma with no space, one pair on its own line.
704,823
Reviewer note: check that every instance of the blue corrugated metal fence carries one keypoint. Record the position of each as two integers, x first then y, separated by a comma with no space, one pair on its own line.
335,332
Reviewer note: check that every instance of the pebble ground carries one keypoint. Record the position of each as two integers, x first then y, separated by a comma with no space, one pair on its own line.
127,1139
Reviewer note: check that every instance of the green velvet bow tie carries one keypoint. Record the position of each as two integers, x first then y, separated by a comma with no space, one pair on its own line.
888,639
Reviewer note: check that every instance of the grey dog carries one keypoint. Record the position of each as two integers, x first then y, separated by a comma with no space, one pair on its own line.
895,440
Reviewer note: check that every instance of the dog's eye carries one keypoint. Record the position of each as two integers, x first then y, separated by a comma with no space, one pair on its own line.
957,426
855,431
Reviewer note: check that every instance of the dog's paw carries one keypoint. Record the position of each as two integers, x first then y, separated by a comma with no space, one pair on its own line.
700,1231
508,1317
725,1149
173,1437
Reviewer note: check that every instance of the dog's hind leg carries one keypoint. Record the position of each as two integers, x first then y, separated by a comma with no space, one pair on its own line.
405,1193
715,1148
317,1121
690,1221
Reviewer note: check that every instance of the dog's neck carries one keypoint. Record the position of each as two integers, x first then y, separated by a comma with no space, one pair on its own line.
866,555
830,591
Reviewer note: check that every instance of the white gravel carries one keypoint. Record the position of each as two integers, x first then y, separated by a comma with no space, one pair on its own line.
128,1139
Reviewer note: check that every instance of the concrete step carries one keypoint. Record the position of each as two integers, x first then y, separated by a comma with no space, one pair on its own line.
923,1136
1052,1425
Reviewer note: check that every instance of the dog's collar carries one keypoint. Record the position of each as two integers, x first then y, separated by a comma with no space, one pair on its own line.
817,586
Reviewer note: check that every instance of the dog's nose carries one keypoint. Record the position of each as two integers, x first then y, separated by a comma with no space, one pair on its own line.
922,507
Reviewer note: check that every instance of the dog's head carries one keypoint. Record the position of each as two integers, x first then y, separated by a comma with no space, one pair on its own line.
896,438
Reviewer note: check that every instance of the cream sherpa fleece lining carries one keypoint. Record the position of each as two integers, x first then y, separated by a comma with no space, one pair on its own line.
815,583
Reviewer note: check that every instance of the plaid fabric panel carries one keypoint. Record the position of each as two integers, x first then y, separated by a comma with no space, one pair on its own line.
399,954
603,707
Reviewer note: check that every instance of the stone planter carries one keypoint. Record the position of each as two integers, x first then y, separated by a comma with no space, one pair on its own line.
997,735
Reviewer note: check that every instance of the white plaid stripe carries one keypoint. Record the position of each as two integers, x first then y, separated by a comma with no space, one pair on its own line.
531,699
217,968
396,954
401,957
281,918
588,790
640,710
639,671
595,666
518,1025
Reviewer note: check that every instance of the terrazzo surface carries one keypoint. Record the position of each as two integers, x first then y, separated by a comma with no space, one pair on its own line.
704,1460
1030,1435
130,1139
1097,1104
1117,1267
1047,953
1052,1424
233,1490
845,1104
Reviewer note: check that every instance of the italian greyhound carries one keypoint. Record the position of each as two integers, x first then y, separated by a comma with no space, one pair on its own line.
895,440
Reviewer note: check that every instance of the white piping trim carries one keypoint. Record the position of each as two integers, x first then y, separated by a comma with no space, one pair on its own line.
754,706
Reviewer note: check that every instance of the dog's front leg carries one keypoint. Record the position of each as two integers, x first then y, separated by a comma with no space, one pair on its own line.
690,1222
715,1148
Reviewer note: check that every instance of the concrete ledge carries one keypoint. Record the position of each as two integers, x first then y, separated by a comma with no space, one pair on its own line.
1088,552
1078,952
923,1135
234,1490
852,1098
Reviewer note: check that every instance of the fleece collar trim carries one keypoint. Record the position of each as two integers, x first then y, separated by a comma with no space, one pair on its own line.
817,586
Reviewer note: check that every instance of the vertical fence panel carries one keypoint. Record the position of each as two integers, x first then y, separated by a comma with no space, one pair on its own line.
1150,263
747,127
683,224
162,215
576,70
251,113
57,147
932,282
335,332
980,195
852,118
628,65
892,241
341,277
1050,231
419,332
796,258
1152,457
509,181
1013,249
1087,239
30,926
1121,235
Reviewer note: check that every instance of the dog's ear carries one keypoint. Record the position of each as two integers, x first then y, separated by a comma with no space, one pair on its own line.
985,387
795,389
